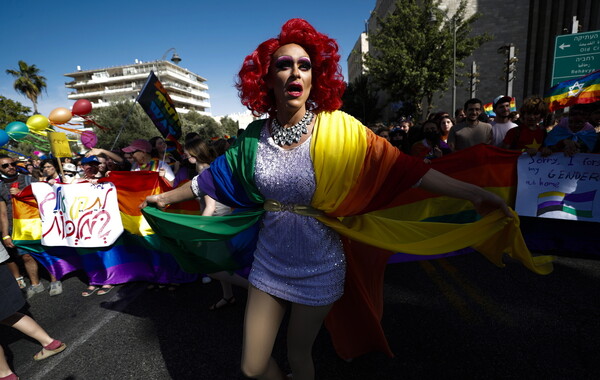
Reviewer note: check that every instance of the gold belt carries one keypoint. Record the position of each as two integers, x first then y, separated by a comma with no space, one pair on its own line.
273,205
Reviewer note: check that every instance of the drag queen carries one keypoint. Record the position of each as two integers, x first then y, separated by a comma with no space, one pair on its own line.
305,166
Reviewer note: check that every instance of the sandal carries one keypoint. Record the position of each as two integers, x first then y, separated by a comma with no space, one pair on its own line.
105,289
22,284
223,302
48,351
89,291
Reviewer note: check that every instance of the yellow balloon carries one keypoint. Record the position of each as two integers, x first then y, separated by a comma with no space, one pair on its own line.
60,115
37,122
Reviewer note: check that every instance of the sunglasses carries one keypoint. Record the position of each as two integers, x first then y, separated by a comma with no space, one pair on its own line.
4,166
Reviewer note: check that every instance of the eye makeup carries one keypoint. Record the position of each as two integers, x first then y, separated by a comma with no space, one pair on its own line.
286,61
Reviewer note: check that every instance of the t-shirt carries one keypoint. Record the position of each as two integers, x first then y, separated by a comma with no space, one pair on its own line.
464,136
499,132
155,165
524,138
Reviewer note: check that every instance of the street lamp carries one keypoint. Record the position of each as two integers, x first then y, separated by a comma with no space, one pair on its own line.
175,58
452,23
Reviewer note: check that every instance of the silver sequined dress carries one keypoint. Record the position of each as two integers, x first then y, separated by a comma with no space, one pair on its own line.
297,258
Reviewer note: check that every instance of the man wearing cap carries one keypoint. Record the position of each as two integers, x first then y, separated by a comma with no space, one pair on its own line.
70,172
140,150
472,131
502,122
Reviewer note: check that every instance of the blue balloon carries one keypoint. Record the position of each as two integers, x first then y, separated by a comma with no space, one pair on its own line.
17,130
3,137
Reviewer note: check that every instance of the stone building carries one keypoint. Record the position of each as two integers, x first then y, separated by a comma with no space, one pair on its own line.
531,26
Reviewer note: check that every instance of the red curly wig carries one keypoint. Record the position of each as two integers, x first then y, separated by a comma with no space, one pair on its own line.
327,83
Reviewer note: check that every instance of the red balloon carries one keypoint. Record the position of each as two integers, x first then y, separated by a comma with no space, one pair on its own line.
82,107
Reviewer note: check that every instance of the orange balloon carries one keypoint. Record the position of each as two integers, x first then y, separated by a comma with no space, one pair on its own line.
60,115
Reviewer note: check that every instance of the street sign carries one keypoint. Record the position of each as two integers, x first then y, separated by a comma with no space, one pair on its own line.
575,55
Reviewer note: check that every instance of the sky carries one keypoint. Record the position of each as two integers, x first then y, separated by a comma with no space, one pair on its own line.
211,37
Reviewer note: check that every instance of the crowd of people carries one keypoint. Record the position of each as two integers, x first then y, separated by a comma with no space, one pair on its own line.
532,129
299,263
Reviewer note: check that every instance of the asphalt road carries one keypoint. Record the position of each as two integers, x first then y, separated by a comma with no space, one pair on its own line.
457,318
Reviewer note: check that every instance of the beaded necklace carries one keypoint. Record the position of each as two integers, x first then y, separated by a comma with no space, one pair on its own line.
291,135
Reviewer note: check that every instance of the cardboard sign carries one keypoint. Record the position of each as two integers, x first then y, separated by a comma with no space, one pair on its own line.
559,187
59,144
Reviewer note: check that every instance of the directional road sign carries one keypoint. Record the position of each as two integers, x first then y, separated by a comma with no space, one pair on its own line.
575,55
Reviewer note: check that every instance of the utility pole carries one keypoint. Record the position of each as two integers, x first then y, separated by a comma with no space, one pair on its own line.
473,80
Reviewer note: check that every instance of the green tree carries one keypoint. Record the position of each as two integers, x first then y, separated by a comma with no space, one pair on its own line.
127,114
412,49
360,100
28,82
205,126
230,126
11,110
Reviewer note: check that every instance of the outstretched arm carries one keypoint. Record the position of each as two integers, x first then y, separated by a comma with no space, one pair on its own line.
483,200
182,193
107,153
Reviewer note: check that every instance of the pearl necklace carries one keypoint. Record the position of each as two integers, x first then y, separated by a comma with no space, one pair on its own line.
291,135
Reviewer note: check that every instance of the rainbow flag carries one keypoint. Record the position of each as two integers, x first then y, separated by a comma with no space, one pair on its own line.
137,255
489,107
583,90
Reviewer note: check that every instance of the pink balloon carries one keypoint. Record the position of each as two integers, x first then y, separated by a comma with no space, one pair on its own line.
89,139
82,107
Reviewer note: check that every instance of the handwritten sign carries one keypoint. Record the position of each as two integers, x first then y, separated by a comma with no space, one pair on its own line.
559,187
78,215
59,144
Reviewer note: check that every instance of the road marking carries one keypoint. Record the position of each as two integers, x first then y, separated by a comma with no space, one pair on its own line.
455,300
475,294
123,297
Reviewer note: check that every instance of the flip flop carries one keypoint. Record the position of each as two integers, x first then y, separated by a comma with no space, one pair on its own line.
45,353
105,289
89,291
223,302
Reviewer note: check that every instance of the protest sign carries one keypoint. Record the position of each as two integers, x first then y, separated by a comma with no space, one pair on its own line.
59,144
559,187
78,215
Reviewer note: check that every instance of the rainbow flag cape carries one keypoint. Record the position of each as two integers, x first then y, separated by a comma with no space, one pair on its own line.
138,255
583,90
361,179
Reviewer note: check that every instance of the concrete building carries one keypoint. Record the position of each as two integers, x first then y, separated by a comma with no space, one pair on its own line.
356,60
531,26
105,85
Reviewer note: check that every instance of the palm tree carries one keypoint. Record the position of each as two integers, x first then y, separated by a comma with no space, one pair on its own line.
28,83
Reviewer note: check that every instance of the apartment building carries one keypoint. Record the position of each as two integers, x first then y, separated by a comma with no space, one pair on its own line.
104,86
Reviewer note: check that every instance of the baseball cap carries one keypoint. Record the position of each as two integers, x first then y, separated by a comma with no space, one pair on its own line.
68,167
502,99
139,144
89,160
